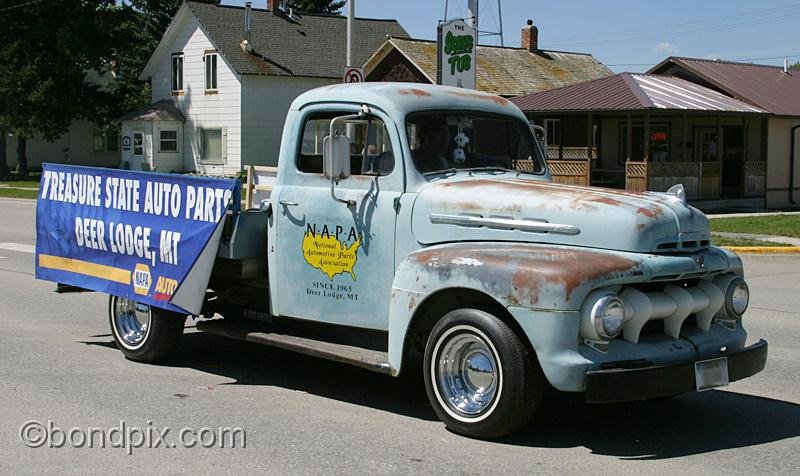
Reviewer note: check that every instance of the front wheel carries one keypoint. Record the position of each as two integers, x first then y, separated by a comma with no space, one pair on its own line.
480,378
144,333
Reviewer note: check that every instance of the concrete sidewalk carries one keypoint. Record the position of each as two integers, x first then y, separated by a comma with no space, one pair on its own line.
754,214
765,238
7,186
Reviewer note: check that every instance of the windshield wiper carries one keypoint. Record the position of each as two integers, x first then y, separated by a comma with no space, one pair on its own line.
486,168
451,171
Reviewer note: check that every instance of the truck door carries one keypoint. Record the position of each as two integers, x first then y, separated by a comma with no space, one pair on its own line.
335,262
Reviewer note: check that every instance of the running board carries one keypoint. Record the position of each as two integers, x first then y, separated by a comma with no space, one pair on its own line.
373,360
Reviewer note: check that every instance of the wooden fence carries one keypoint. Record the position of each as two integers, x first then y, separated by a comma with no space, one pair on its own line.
699,179
569,153
636,176
571,172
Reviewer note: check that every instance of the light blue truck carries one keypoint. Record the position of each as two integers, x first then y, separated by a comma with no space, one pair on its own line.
415,230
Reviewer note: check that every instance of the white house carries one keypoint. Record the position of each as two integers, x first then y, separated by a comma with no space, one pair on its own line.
219,102
84,143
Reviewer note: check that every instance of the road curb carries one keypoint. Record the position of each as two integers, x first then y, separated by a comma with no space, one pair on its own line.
764,249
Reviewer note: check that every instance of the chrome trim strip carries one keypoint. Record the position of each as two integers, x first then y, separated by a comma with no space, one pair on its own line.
505,224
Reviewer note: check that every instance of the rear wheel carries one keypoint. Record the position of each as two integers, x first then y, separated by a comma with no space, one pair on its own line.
480,378
144,333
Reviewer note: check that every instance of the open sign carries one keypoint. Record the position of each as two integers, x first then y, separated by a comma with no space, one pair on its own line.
658,136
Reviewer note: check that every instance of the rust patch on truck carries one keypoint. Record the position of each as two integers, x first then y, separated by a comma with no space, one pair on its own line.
572,197
413,92
649,212
486,97
523,274
607,201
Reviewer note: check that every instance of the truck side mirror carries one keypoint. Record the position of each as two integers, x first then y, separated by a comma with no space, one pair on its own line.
336,157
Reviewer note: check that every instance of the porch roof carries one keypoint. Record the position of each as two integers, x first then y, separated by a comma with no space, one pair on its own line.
633,92
160,111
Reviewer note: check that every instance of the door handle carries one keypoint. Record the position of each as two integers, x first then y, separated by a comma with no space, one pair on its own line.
288,203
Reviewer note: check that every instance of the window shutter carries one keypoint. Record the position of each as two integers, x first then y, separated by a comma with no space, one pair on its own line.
224,144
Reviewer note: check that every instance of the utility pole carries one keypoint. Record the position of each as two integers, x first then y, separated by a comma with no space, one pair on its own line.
351,8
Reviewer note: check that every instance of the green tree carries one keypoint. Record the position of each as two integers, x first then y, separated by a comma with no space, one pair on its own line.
325,7
61,60
139,26
795,66
47,50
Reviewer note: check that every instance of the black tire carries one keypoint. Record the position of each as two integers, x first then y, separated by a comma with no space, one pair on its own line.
157,340
516,379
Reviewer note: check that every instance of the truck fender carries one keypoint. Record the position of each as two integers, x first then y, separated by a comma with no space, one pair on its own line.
543,277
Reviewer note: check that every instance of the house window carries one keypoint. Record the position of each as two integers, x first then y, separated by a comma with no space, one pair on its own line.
659,140
213,146
211,71
168,141
104,140
177,72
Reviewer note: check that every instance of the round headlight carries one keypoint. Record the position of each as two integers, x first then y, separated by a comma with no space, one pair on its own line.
737,297
608,315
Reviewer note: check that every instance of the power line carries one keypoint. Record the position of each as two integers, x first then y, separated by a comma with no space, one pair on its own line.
732,58
20,5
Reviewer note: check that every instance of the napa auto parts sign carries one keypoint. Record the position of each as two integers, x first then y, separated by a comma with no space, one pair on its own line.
456,47
146,236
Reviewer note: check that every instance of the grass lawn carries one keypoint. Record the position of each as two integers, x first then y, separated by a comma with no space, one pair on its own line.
779,225
13,186
717,240
18,193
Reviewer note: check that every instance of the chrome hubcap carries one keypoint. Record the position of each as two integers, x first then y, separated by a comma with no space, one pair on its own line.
467,374
132,321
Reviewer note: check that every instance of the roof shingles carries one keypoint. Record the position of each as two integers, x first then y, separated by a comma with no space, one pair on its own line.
303,45
510,71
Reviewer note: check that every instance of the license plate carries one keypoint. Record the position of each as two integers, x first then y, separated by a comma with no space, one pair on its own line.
710,374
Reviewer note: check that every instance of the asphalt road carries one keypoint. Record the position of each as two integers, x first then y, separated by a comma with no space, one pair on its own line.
302,415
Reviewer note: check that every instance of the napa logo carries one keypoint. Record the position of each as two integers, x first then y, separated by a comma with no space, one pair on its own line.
332,250
142,279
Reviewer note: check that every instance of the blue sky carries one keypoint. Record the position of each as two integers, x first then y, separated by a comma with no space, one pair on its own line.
625,35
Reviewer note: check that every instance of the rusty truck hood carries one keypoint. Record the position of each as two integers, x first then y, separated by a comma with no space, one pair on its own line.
510,208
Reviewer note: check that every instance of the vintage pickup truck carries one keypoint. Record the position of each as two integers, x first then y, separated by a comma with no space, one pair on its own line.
415,229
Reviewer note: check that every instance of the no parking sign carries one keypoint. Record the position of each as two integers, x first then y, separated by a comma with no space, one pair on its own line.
354,75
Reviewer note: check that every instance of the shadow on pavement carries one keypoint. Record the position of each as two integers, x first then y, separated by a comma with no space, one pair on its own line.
659,429
253,364
665,428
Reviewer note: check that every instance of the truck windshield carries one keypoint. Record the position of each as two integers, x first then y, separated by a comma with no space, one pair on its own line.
442,141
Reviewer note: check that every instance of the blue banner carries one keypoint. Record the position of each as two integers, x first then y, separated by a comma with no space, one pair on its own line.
124,233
